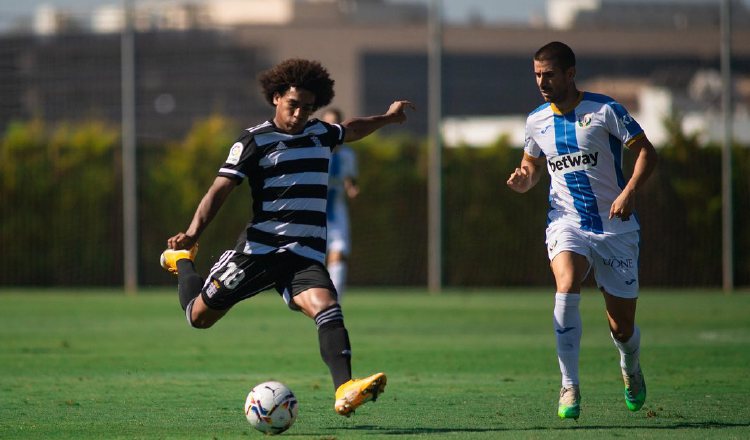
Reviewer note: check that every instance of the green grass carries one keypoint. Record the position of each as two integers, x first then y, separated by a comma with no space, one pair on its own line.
463,365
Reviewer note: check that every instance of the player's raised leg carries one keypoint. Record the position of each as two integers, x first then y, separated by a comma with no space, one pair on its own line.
627,338
189,283
189,286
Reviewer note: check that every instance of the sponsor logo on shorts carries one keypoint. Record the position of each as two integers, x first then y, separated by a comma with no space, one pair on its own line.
630,283
212,289
568,163
619,263
552,246
545,129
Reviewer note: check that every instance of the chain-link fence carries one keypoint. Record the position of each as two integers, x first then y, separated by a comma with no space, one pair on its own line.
60,153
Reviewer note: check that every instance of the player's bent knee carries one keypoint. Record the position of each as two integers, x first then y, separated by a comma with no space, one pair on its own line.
201,316
623,334
202,323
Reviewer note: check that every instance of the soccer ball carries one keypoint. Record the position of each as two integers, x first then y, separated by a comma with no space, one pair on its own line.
271,407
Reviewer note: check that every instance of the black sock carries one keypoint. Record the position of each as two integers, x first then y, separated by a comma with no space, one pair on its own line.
334,344
189,283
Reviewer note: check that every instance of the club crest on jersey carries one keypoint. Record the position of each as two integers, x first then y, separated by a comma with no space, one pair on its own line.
316,141
584,120
568,163
235,153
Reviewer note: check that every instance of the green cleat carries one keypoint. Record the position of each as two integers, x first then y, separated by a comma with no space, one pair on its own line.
635,390
569,406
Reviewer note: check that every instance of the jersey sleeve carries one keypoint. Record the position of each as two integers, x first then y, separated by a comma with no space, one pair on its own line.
241,156
530,146
334,135
621,124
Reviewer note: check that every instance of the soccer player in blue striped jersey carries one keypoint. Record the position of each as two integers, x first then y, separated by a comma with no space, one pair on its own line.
285,161
579,138
342,186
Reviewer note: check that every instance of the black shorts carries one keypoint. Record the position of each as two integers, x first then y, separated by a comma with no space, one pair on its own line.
237,276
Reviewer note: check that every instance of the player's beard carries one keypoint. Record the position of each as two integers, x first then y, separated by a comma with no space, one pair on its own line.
551,95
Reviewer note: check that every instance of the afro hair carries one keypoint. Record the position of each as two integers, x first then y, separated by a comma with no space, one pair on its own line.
299,73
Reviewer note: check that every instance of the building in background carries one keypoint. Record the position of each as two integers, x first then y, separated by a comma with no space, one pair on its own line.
194,59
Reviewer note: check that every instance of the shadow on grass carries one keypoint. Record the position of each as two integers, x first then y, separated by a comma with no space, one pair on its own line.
422,430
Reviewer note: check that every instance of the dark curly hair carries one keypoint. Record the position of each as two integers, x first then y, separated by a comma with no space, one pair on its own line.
296,72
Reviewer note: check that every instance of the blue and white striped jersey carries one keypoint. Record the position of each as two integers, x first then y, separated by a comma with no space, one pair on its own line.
343,166
288,177
583,149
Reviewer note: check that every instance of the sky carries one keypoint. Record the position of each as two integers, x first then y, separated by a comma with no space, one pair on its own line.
494,11
455,10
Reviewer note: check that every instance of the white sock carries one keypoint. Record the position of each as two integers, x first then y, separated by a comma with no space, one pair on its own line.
337,270
630,351
568,331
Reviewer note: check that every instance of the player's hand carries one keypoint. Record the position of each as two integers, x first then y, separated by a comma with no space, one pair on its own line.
397,111
622,207
181,241
520,179
352,191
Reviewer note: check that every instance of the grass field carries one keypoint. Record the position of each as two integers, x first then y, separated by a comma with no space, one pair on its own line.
462,365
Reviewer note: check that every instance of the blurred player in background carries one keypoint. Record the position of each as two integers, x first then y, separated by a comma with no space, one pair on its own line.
285,161
342,186
579,137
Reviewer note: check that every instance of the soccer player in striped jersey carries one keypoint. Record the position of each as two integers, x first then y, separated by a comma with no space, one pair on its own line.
342,186
579,137
285,161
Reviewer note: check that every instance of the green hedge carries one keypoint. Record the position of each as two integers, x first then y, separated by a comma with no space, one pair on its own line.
61,222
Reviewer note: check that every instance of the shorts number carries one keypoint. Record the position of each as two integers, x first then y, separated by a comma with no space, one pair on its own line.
232,276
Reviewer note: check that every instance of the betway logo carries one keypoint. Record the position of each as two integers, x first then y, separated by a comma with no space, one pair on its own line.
567,163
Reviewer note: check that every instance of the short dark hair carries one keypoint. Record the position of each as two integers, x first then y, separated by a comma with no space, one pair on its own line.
559,54
303,74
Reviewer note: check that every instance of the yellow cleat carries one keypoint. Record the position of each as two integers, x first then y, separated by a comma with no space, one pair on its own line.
169,257
356,392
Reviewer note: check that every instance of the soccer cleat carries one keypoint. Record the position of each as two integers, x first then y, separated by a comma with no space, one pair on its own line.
169,257
569,406
635,389
351,395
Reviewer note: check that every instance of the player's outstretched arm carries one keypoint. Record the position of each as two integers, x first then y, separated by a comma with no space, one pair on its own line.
526,175
206,211
357,128
645,162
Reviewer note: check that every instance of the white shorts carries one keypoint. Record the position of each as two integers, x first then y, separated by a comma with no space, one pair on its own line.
338,233
614,257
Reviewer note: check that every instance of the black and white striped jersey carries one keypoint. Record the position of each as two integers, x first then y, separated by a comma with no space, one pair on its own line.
288,177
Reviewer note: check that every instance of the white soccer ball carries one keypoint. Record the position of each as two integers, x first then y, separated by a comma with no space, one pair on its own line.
271,407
